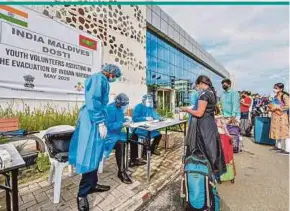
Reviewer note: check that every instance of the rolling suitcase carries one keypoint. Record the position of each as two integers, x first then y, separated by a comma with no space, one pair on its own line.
235,133
262,130
227,147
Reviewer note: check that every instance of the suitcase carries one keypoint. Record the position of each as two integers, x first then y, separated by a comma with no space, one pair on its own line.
262,130
230,174
227,147
235,134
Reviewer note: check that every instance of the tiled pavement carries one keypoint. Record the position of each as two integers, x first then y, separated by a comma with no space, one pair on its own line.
38,195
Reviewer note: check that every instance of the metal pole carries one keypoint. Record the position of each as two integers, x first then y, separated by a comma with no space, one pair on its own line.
148,155
14,174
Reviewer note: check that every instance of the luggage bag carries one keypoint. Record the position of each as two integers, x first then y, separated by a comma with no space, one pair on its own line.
227,147
235,133
199,191
262,130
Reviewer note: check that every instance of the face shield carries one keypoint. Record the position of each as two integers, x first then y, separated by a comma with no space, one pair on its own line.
148,101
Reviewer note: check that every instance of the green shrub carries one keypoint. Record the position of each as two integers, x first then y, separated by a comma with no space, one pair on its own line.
165,113
41,118
42,162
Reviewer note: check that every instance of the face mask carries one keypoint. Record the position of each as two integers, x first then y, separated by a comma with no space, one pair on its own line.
275,91
195,87
111,80
225,87
124,108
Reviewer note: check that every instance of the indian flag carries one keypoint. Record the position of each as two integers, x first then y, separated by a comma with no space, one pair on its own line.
13,15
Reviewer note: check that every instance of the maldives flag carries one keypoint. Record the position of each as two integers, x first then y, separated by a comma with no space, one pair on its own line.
87,42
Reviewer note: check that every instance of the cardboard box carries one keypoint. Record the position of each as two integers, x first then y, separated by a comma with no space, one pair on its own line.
171,140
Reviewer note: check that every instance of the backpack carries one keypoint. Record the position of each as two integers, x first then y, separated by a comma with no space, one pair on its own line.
200,190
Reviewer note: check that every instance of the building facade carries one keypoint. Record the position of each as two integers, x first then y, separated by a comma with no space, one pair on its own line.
154,53
175,60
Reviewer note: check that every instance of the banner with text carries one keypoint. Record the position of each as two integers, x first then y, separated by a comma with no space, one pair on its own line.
42,55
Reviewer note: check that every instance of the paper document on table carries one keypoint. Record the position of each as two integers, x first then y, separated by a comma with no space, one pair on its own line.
169,120
138,124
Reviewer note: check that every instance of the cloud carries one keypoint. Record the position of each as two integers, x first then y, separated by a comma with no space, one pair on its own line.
252,42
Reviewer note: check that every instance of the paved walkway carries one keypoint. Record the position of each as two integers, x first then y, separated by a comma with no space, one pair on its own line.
261,184
38,195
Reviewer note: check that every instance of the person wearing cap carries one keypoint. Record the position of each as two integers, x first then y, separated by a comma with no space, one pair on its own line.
87,144
230,102
144,112
116,138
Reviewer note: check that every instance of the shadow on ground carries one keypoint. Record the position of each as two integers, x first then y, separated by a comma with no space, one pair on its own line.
169,200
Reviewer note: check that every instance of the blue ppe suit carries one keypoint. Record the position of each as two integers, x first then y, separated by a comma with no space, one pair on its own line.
194,99
86,147
114,123
194,102
140,112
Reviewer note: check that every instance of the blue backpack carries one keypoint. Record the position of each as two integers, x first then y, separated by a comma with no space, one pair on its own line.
199,181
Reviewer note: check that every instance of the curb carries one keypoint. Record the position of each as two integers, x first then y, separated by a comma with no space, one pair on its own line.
143,197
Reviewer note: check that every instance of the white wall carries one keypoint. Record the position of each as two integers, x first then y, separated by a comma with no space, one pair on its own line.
123,32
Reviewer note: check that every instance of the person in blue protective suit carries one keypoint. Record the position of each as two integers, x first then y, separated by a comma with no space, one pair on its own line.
116,138
144,112
87,144
194,98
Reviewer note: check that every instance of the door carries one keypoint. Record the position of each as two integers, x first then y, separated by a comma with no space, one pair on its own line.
164,99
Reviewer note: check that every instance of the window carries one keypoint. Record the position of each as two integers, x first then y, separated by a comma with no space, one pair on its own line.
165,61
153,48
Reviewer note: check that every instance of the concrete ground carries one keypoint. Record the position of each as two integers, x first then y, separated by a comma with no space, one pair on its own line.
37,195
261,184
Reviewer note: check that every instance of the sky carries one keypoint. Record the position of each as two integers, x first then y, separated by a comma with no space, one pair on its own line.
251,42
